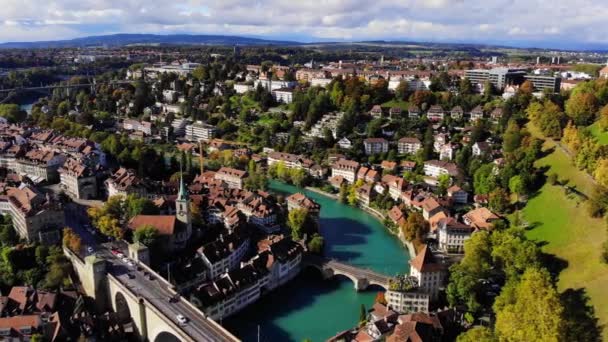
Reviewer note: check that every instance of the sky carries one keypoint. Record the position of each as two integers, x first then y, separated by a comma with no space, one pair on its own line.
532,23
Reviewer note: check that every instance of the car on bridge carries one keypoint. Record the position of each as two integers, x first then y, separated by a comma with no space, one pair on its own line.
181,319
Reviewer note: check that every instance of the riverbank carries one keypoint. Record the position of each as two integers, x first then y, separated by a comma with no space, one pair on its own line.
316,308
375,213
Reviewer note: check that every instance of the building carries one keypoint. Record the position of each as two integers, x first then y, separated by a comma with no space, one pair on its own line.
428,271
436,168
413,112
301,201
175,230
375,145
35,217
346,169
604,72
344,143
284,95
241,88
457,113
435,113
477,113
200,131
40,165
376,111
481,149
480,218
408,145
452,235
224,254
125,182
498,77
78,180
407,298
545,82
457,195
233,177
365,194
278,261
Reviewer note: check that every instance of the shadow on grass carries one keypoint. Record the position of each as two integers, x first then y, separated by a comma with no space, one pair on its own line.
580,323
554,264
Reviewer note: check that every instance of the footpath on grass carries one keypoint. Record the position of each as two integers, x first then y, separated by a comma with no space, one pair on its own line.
560,221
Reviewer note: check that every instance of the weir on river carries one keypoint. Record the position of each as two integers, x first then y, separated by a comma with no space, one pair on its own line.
311,307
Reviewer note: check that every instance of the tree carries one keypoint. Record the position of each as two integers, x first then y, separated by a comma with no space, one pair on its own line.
581,107
512,137
527,87
415,227
380,298
477,334
362,314
571,137
517,186
498,200
484,179
531,311
402,91
603,121
315,245
12,113
146,234
601,172
296,219
71,240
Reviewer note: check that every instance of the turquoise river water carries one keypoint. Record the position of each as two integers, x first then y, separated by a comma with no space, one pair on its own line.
313,308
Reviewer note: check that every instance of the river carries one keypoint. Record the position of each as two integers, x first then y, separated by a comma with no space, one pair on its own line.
310,307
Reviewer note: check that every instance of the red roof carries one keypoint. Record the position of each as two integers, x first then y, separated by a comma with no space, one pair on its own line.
165,224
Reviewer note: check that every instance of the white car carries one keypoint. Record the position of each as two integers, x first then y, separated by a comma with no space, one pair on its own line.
120,255
125,260
90,249
181,319
131,263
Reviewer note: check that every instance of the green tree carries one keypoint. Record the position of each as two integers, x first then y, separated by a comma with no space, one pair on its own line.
146,234
498,200
415,227
362,314
296,220
12,113
531,311
315,245
517,186
477,334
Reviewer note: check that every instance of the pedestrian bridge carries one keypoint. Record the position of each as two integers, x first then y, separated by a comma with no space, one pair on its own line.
362,278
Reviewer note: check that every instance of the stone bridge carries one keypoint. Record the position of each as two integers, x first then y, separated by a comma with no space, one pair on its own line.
140,298
362,278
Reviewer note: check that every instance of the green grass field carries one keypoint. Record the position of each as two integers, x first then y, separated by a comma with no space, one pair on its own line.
569,233
394,103
602,137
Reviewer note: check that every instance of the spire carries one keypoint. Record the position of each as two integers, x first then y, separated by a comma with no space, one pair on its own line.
181,195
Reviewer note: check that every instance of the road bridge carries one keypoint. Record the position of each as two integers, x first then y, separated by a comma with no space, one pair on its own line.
362,278
139,294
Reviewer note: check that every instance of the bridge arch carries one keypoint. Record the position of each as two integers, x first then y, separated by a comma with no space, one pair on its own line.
166,336
121,307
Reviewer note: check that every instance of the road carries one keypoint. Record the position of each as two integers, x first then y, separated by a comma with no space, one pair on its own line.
154,290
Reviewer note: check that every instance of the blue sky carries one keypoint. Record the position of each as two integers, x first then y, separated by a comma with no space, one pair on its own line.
536,23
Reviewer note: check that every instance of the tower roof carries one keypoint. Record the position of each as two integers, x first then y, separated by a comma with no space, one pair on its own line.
181,195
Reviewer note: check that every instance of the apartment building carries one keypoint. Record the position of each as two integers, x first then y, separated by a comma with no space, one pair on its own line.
346,169
408,145
200,131
224,254
375,145
428,271
233,177
78,180
283,95
35,217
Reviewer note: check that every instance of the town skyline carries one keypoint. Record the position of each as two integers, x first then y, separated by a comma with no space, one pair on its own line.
562,25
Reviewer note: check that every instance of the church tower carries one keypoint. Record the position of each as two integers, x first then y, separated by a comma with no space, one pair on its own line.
182,207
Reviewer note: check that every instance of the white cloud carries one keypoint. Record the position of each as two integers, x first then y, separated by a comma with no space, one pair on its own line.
436,20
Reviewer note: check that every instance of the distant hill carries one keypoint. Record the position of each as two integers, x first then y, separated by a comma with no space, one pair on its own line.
132,39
